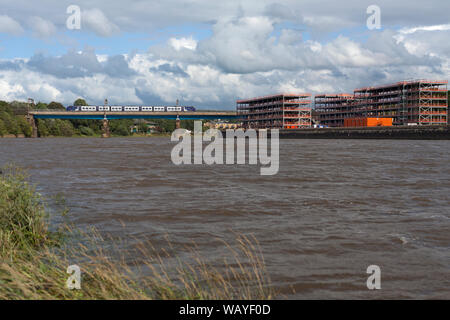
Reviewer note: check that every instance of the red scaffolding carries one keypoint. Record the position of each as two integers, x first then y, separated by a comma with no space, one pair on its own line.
287,111
422,102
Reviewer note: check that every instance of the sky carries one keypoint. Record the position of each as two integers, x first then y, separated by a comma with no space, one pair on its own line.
209,54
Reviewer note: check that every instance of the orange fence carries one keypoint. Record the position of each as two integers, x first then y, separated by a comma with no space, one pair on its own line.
368,122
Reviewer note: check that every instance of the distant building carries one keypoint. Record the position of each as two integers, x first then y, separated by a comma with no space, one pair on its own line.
283,111
416,102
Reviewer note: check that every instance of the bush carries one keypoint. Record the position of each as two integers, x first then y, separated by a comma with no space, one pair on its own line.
22,216
86,131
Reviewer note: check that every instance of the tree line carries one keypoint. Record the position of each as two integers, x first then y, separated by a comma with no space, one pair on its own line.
13,122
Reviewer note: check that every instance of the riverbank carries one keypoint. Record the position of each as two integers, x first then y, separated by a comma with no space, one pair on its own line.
395,132
35,255
135,135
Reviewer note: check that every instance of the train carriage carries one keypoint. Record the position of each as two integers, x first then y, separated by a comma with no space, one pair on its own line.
132,108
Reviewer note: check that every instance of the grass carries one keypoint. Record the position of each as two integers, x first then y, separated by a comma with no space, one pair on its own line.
34,259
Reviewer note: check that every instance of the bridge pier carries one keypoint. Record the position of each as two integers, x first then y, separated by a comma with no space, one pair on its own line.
32,122
178,122
106,133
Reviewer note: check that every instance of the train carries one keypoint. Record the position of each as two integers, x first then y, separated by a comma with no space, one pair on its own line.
132,108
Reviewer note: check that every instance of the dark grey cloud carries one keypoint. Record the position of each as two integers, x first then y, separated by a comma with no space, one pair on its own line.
69,65
117,66
11,65
80,64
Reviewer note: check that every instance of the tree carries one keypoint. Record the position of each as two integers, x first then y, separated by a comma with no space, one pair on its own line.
19,108
80,102
24,126
10,123
120,127
4,107
41,105
66,128
42,128
55,106
94,125
165,125
3,130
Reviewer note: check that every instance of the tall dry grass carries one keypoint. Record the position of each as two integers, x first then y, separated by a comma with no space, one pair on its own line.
34,260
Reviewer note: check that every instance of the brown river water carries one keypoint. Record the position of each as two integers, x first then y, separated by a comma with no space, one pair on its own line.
334,208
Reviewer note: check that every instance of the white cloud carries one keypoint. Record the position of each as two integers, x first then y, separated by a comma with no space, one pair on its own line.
95,20
186,43
9,25
440,27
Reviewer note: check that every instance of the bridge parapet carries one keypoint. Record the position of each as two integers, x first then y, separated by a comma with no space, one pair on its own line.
99,115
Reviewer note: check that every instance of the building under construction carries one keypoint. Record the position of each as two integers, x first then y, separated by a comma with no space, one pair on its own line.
421,102
283,111
332,109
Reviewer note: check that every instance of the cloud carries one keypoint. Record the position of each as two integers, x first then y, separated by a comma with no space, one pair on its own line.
42,28
10,26
172,70
250,48
183,43
117,66
96,21
81,65
14,65
440,27
70,65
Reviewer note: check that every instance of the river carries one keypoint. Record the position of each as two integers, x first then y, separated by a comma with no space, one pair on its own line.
334,208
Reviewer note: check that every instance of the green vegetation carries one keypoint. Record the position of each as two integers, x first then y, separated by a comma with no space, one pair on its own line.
34,256
13,122
80,102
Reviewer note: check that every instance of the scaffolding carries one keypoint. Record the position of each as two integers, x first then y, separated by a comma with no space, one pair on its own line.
422,102
282,111
332,109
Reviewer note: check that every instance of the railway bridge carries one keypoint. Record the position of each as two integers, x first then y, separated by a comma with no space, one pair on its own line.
111,115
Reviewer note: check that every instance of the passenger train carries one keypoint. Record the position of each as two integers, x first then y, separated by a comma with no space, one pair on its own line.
131,108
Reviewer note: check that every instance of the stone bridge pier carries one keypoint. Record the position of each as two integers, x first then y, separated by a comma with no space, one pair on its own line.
106,132
32,122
